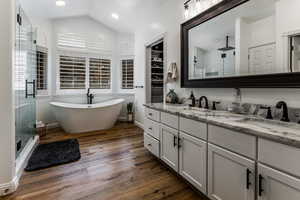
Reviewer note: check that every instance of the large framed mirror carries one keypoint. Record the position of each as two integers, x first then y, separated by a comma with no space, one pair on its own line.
242,43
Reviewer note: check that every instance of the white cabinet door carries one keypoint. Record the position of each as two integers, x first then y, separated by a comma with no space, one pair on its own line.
169,146
230,176
192,159
275,185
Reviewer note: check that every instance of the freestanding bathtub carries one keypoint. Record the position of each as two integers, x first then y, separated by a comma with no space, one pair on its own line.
79,118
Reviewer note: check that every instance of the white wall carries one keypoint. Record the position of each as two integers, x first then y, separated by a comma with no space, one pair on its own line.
7,136
169,16
243,36
117,44
263,31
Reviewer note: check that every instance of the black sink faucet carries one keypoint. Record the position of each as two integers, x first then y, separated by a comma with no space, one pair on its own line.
215,105
269,111
285,114
90,97
206,102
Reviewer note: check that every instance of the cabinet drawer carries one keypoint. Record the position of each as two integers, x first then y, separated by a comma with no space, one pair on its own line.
151,144
169,119
237,142
152,128
280,156
152,114
194,128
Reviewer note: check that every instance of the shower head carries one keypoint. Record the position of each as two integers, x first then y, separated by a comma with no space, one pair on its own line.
227,47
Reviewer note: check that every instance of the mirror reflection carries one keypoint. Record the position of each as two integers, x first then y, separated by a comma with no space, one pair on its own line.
257,37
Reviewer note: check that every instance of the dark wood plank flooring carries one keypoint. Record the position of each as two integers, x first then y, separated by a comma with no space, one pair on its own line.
114,166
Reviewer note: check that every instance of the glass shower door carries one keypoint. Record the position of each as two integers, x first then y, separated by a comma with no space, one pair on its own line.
25,82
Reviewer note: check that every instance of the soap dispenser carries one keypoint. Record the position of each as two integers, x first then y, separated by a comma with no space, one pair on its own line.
192,97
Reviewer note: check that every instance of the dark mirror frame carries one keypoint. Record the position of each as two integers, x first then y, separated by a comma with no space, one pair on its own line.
278,80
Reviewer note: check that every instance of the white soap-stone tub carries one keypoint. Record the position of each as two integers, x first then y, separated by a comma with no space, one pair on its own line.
80,118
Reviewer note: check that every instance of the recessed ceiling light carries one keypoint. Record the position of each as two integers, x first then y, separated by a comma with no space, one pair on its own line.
60,3
115,16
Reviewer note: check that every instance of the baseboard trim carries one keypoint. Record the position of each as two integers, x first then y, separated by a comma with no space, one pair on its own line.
21,161
139,124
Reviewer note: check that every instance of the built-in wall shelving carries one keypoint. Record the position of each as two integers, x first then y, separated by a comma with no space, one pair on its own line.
157,73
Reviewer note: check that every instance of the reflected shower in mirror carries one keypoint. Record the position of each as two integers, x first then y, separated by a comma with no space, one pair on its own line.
254,38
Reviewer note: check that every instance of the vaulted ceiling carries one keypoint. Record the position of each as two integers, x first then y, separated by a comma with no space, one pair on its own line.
130,11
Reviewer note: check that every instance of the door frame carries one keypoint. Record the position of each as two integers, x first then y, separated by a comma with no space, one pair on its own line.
161,37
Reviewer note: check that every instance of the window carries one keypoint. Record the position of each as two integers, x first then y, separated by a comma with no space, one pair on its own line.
99,73
72,72
127,73
42,64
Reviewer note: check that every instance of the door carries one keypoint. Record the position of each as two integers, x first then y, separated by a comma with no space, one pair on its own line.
262,59
275,185
192,159
230,176
169,146
24,81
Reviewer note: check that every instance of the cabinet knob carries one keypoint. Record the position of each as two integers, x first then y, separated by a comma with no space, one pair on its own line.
149,145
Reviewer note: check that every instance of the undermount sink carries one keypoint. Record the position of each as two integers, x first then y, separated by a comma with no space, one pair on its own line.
195,111
210,113
274,126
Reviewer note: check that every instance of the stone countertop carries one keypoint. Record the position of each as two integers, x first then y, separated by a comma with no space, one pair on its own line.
282,132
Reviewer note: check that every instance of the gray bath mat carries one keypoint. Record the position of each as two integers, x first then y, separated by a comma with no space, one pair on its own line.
52,154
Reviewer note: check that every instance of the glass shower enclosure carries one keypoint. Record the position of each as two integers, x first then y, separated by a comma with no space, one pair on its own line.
24,81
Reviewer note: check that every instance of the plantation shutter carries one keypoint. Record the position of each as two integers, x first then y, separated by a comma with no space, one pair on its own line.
127,74
100,73
42,64
72,72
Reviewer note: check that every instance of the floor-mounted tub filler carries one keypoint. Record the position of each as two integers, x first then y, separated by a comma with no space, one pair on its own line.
80,118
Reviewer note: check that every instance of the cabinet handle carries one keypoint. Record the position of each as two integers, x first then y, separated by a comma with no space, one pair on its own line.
150,128
150,114
174,141
179,142
260,186
248,183
149,145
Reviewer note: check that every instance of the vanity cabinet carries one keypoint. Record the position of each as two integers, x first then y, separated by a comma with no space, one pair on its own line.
152,128
279,156
193,160
169,146
222,163
230,176
152,131
151,144
234,141
278,170
169,120
153,115
275,185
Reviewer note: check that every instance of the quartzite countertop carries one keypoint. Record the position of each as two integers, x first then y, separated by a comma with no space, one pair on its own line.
286,133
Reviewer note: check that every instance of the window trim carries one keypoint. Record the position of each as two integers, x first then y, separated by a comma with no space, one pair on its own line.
60,91
127,91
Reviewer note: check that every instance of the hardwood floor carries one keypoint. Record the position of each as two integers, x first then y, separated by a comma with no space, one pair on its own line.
114,166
